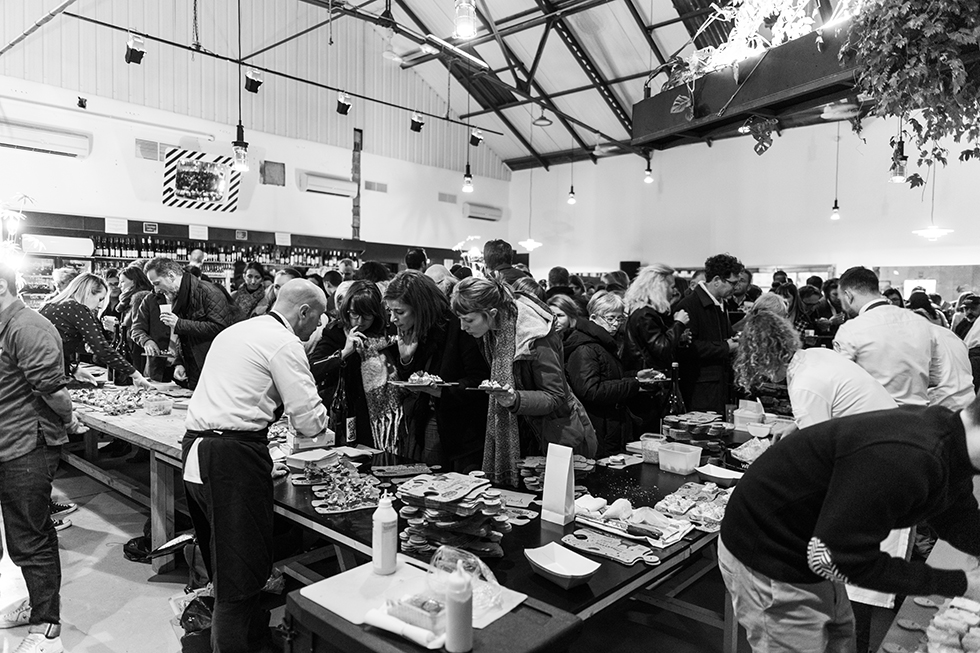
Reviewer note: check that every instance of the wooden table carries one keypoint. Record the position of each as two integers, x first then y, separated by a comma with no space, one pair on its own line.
161,436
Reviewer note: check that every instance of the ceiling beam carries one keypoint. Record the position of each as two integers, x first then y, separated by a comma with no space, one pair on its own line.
537,55
460,75
638,19
487,19
546,100
590,68
556,94
541,19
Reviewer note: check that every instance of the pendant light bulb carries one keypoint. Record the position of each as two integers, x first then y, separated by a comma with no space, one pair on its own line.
240,148
648,175
465,19
467,180
835,212
571,195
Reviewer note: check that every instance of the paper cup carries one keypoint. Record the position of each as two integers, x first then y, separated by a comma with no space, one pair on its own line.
166,308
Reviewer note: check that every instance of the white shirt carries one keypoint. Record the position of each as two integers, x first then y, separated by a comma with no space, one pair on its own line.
950,374
823,384
252,368
892,344
972,338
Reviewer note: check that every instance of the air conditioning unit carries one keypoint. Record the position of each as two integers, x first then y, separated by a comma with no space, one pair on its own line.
313,182
481,212
36,138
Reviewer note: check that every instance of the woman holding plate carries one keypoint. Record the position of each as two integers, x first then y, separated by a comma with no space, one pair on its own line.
443,424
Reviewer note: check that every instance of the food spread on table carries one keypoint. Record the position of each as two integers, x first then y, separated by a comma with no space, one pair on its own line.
955,628
643,524
342,488
750,450
111,402
701,504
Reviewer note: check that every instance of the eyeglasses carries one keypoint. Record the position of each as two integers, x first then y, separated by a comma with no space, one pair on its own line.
613,319
355,317
731,282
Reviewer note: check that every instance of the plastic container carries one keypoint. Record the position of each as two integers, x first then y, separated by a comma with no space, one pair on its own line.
759,430
459,611
678,458
651,443
157,406
384,540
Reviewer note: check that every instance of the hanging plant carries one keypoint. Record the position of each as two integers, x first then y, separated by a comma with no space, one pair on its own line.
920,60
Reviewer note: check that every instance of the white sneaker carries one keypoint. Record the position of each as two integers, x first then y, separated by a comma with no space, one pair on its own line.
19,615
38,643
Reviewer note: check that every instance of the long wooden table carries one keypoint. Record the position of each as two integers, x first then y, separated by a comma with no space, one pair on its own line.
681,564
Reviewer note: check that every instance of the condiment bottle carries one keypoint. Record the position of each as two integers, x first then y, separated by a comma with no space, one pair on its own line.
384,540
459,611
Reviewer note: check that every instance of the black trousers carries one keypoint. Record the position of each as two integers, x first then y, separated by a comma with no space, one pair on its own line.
232,515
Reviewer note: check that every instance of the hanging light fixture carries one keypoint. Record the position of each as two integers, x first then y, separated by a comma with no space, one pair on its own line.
571,185
239,146
253,80
835,212
899,168
417,122
571,195
648,173
135,49
530,244
542,120
465,19
932,233
343,103
476,136
467,180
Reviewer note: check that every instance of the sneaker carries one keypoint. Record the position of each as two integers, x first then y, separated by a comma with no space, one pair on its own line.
61,524
19,615
38,643
59,510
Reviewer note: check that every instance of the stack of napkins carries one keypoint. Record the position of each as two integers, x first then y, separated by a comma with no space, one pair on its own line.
319,457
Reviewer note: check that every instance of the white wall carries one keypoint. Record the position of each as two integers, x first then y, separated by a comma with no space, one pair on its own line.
767,210
113,182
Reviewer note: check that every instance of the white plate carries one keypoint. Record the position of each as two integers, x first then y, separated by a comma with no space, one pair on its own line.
720,472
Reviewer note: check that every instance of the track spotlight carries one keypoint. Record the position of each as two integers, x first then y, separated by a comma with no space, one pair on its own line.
467,180
253,80
476,137
240,148
417,122
135,49
82,102
343,103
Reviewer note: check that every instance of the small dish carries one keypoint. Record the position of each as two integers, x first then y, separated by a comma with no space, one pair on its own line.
759,430
561,566
718,475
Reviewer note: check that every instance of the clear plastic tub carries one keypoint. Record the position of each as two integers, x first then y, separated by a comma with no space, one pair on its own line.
679,458
158,405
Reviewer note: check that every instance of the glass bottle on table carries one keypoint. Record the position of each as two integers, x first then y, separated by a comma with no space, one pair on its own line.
675,401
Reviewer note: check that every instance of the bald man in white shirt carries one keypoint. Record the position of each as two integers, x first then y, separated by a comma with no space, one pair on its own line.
254,370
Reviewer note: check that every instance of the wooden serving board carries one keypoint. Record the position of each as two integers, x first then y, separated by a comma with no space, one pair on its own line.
611,547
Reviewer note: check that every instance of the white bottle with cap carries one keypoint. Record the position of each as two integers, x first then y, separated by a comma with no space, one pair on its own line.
459,611
384,540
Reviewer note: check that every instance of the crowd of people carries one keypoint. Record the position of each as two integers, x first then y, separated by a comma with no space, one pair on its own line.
568,363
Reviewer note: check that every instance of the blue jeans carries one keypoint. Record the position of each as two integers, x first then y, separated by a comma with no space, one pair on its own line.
25,499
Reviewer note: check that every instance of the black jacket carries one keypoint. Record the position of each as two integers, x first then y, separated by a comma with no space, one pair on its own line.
205,310
652,340
600,381
705,366
461,416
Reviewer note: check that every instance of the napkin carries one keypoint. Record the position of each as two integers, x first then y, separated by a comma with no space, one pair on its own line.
352,452
379,618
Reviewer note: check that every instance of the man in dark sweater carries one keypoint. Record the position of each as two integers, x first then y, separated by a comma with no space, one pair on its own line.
810,513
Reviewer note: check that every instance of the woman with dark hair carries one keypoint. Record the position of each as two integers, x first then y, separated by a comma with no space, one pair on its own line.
373,271
529,286
532,404
251,292
72,311
370,405
567,313
893,295
134,288
795,310
920,303
444,426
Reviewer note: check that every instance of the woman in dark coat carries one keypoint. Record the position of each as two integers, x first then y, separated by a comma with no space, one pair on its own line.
134,287
531,405
252,290
444,426
654,335
597,374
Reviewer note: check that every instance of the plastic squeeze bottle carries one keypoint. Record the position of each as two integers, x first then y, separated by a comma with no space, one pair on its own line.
384,537
459,611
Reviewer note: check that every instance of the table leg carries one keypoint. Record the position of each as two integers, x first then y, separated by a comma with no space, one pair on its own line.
730,629
161,509
345,557
91,440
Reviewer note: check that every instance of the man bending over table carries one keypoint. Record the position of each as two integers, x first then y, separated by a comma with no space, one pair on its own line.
809,514
254,370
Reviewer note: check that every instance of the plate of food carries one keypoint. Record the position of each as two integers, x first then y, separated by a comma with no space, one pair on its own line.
423,380
492,386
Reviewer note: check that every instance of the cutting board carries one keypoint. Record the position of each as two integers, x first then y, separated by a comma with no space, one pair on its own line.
444,488
611,547
352,593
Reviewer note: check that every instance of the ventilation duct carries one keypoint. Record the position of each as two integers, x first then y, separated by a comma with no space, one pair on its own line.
312,182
